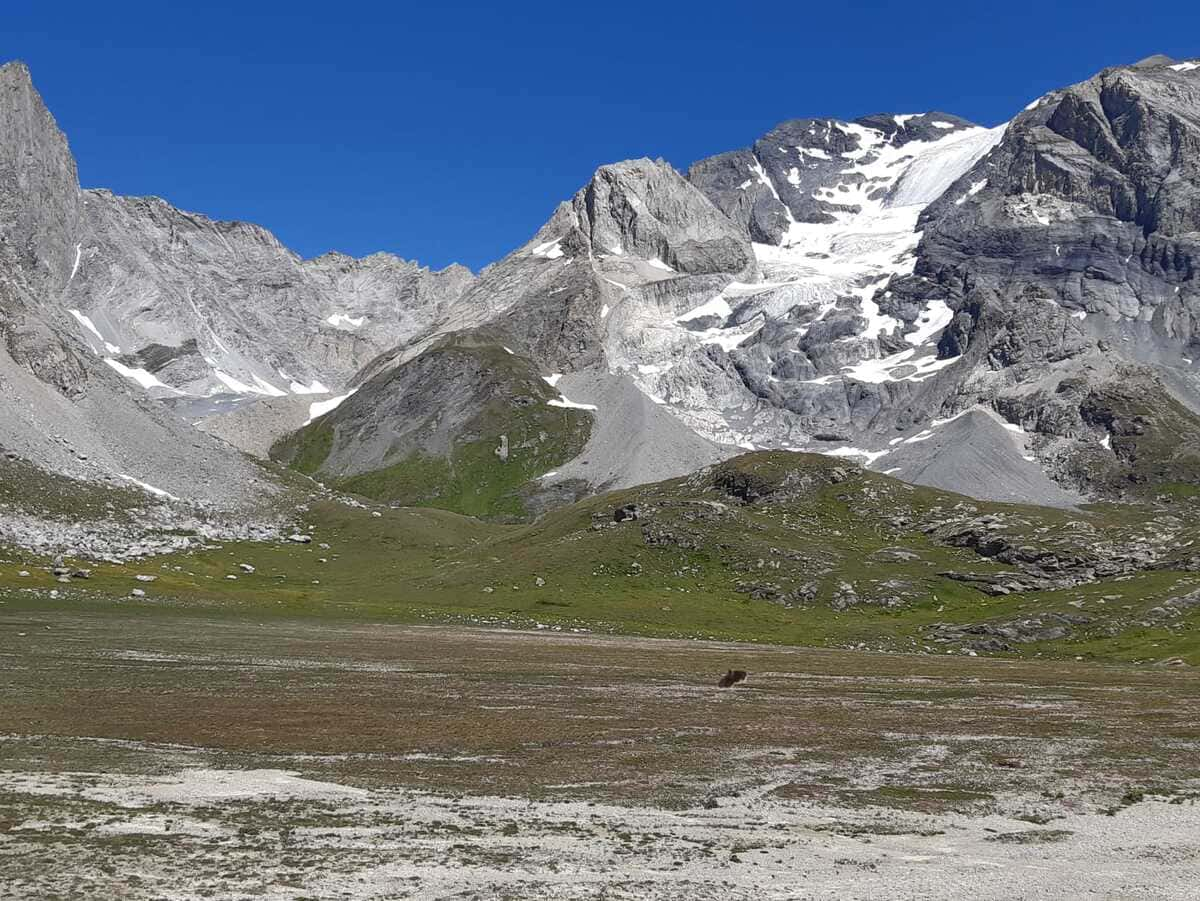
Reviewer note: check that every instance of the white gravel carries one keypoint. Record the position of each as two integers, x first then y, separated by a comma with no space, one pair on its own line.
346,842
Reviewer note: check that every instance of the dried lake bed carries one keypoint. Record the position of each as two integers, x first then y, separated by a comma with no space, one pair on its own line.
187,756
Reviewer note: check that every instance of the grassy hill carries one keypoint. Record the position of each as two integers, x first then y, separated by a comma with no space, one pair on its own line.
770,547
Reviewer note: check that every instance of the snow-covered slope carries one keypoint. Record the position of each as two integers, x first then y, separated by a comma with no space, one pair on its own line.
813,320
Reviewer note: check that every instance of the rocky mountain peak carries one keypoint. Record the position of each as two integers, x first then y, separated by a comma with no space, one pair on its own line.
644,208
1156,61
39,187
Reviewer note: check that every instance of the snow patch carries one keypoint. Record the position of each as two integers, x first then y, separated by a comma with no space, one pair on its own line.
265,387
729,339
936,423
345,320
315,388
718,306
659,264
552,380
565,403
148,488
141,376
548,251
320,407
239,387
935,318
1184,67
91,327
887,369
870,456
761,175
75,266
975,188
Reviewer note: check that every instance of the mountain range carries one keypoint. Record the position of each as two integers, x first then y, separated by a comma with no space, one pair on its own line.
1010,313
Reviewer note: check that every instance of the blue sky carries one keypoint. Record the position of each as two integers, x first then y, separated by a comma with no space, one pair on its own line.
446,131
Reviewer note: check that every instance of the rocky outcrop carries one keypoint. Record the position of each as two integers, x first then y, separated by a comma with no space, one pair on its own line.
39,212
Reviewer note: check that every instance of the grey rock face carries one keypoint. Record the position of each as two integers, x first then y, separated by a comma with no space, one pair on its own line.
648,210
38,212
1093,197
38,199
832,209
1070,251
243,313
107,301
1052,250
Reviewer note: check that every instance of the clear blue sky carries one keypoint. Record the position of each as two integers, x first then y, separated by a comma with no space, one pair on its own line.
447,131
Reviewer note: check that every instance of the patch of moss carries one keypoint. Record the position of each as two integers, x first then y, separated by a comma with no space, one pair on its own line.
477,479
307,449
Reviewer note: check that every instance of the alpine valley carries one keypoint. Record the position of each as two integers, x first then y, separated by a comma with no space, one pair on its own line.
906,381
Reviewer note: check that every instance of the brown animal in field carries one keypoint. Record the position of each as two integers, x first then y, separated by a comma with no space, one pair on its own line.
732,678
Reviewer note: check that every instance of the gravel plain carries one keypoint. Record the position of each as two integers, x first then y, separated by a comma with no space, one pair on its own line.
179,756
